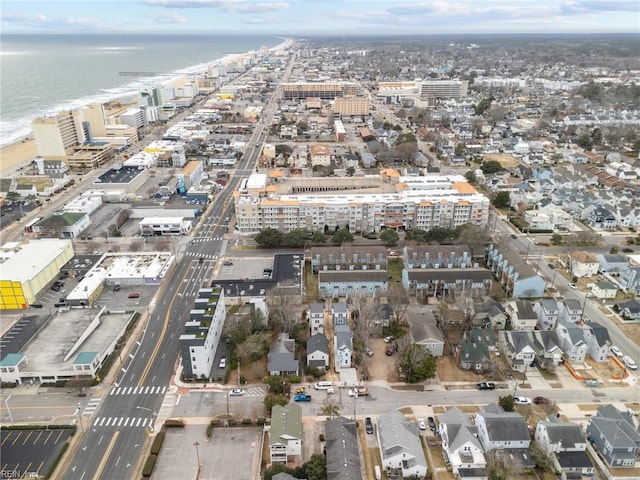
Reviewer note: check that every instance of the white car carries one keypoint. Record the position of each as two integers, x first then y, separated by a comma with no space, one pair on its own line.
630,363
421,424
616,351
388,339
573,285
236,392
223,362
522,400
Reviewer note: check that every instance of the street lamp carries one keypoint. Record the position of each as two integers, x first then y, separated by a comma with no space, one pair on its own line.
6,404
79,413
197,444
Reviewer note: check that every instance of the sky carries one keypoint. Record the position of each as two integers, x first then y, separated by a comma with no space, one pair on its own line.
320,17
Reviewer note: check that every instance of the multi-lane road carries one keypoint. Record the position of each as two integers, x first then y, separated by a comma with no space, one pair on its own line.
116,430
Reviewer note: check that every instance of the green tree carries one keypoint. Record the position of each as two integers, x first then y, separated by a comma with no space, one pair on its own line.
556,239
283,149
471,177
483,106
440,234
269,237
316,467
330,410
270,400
389,237
318,237
295,238
501,200
585,141
506,403
491,166
342,236
417,363
12,196
406,138
350,171
460,149
416,235
275,383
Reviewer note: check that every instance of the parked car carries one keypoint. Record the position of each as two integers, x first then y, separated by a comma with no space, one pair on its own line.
236,392
522,400
541,401
36,305
369,352
616,351
514,236
627,250
227,264
432,423
629,362
421,424
390,350
223,362
486,386
134,295
388,339
368,425
551,266
573,286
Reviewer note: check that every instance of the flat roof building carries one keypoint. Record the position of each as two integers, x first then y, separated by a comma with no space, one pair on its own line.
123,177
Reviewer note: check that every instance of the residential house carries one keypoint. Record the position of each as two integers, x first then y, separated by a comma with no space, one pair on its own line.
629,280
51,168
548,311
629,310
614,435
382,314
461,447
400,447
583,264
521,314
507,433
285,434
318,351
597,339
424,331
613,263
342,452
485,336
316,318
513,273
339,313
436,256
570,310
443,282
280,360
348,257
603,289
490,314
342,346
565,443
473,356
526,347
61,225
352,283
571,340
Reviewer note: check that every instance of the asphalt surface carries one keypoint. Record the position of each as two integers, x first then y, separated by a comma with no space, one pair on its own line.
116,432
30,452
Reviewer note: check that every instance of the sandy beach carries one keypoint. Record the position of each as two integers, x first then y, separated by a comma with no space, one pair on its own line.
14,154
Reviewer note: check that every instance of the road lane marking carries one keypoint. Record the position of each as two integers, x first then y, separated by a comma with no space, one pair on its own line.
105,457
145,372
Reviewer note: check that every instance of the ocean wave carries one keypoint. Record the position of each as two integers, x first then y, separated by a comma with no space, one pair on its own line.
13,129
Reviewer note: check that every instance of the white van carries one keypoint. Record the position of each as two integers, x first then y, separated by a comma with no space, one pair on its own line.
323,385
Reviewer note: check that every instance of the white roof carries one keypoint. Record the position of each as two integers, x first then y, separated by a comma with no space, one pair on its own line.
31,259
257,180
163,220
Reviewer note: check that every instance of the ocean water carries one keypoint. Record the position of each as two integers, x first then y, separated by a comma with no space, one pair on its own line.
44,74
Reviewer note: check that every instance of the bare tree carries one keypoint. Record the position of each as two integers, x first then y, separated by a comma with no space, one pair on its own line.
135,246
399,302
475,237
364,321
282,311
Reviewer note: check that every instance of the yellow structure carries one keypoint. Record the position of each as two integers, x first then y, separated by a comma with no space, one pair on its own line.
29,268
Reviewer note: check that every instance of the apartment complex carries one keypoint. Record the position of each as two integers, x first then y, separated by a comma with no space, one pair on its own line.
324,90
395,92
202,332
416,202
351,106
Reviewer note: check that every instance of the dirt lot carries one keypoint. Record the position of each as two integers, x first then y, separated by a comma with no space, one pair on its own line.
448,371
605,371
507,161
381,366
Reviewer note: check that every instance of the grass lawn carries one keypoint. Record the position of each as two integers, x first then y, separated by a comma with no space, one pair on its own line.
310,284
394,270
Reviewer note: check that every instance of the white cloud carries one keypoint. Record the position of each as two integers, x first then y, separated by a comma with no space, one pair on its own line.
168,17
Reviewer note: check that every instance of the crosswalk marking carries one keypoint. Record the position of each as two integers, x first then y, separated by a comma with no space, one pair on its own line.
121,422
255,392
92,405
202,255
206,239
157,390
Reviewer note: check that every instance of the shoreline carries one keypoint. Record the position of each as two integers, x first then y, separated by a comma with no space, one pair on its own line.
20,152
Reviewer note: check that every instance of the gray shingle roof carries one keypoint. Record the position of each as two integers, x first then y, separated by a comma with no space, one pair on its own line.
397,435
506,426
343,455
317,342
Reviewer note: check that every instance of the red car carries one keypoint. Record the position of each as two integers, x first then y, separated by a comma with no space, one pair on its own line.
541,401
134,295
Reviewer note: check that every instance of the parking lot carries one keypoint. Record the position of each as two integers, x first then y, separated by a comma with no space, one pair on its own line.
230,453
31,451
